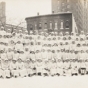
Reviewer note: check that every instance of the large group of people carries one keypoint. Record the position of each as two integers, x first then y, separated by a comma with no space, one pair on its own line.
42,54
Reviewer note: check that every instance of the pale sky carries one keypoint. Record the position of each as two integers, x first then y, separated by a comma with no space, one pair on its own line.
20,9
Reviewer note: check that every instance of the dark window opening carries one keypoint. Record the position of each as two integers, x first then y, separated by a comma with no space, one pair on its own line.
67,24
31,27
45,25
40,26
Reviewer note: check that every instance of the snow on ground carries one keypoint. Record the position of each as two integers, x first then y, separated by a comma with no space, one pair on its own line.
45,82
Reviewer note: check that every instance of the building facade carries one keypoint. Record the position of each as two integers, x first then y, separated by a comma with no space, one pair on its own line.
2,13
54,22
85,16
74,6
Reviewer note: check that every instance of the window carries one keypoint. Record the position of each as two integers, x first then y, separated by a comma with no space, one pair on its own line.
40,26
68,11
61,25
45,25
63,9
35,26
31,27
58,1
67,0
67,24
58,7
50,25
55,25
62,4
68,6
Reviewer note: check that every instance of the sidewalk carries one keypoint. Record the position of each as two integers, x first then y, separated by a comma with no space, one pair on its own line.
45,82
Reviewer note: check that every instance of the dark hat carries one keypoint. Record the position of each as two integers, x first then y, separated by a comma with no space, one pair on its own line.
53,51
43,50
78,45
49,39
66,43
64,38
58,38
37,51
73,42
69,38
84,44
54,38
58,50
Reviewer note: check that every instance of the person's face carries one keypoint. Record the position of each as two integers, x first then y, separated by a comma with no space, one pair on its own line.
71,33
19,61
6,61
15,52
14,61
82,33
76,39
9,31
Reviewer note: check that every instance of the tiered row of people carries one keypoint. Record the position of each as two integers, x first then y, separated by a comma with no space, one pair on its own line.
42,54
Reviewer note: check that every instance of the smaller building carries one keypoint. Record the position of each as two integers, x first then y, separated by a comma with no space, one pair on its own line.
13,28
63,22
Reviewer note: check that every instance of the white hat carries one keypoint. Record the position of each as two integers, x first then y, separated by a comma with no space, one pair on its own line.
61,33
67,32
56,32
72,32
2,28
31,32
52,32
20,30
8,29
26,31
45,29
82,31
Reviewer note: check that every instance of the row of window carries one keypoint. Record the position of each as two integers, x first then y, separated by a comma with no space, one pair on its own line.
39,26
64,1
67,8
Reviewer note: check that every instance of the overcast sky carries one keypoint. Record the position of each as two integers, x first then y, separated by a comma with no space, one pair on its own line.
20,9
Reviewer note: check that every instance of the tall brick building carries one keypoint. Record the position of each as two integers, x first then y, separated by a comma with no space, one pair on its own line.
85,16
2,12
74,6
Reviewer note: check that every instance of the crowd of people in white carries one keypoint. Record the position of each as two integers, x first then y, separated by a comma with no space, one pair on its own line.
42,54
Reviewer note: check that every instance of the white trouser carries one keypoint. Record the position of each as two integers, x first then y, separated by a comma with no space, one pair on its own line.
15,73
7,73
29,71
39,69
53,71
23,72
60,71
1,72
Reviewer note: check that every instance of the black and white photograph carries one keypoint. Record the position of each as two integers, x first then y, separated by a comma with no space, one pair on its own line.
43,43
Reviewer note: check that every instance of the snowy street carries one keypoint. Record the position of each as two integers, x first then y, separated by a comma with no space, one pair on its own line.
45,82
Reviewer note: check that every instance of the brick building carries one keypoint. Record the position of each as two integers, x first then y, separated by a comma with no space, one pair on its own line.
54,22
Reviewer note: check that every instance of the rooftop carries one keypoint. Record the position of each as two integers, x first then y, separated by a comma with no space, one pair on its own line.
54,14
